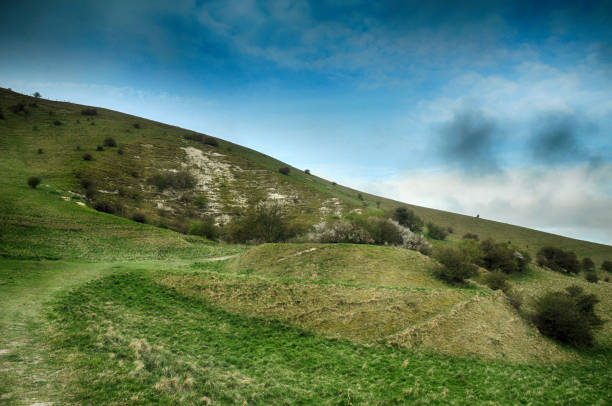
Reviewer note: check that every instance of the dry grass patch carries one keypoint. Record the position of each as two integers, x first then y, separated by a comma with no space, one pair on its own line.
346,263
357,313
485,327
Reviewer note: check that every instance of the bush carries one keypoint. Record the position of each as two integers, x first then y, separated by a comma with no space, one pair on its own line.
587,264
503,257
211,141
33,181
558,260
341,231
496,280
206,229
99,148
139,217
89,112
18,108
194,137
454,267
568,316
261,223
87,157
40,151
120,151
307,171
384,232
86,183
136,126
105,206
284,170
57,122
436,232
591,276
175,180
407,218
201,202
37,95
1,115
470,236
606,266
110,142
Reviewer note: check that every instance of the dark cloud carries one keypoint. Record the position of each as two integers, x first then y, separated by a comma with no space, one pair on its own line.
559,138
469,141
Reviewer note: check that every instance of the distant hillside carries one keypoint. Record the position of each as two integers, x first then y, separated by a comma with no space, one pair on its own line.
174,176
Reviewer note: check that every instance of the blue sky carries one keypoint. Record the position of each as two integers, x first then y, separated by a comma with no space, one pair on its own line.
497,108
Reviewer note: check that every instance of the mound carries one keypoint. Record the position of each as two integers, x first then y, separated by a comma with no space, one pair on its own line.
485,327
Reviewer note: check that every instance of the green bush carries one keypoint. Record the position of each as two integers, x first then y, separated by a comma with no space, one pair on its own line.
99,148
18,108
105,206
176,180
136,126
110,142
408,219
591,276
206,229
454,267
213,142
496,280
33,181
284,170
606,266
40,151
383,232
201,202
57,122
87,157
436,232
307,171
470,236
587,264
503,257
558,260
89,112
139,217
261,223
568,316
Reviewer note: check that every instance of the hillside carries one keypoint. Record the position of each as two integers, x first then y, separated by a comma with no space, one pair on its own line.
100,309
125,179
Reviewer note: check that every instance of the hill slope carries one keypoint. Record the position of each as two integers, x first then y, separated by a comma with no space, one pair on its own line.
49,139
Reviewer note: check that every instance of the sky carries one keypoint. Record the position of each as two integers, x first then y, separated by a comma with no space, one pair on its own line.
496,108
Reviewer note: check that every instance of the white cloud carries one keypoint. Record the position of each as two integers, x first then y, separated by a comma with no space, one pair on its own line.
573,200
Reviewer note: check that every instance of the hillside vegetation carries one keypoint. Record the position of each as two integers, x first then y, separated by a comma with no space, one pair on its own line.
104,302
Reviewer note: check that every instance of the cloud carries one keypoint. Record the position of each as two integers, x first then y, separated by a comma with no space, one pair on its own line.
559,137
574,200
468,140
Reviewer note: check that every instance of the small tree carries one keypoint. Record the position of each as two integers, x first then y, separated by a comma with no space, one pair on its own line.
588,264
591,276
454,267
436,232
607,266
33,181
206,229
284,170
307,171
37,95
407,218
568,316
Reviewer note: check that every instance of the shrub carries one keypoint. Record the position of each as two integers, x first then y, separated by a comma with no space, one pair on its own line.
470,236
139,217
18,108
87,157
587,264
1,115
194,137
307,171
105,206
37,95
436,232
120,151
568,316
284,170
454,267
99,148
110,142
211,141
450,230
40,151
33,181
407,218
360,196
341,231
86,183
206,229
500,256
558,260
201,202
591,276
136,126
57,122
496,280
606,266
176,180
89,112
77,148
261,223
384,232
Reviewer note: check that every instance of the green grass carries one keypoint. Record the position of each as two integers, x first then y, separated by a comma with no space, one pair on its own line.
127,340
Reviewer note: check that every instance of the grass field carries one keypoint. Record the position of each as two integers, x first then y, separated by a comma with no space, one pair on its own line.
99,309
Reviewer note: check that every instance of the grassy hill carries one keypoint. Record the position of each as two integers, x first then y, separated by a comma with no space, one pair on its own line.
100,309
